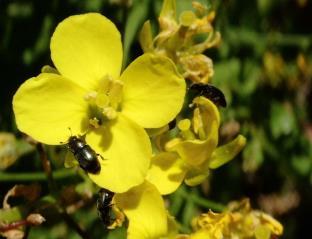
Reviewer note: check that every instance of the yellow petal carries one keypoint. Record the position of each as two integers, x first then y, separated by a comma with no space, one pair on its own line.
275,226
209,116
166,172
85,48
227,152
168,9
144,207
153,132
126,150
196,176
262,232
146,37
193,152
206,122
153,91
202,234
46,106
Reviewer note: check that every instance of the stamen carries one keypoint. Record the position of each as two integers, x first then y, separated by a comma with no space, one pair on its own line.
105,83
172,144
198,125
184,125
105,100
187,18
94,122
115,93
110,113
102,100
91,96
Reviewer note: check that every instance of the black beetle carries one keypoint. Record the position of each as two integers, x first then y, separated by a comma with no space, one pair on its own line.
104,203
210,92
85,155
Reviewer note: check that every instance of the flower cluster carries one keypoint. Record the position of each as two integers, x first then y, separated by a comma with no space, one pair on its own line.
184,40
238,221
121,116
193,151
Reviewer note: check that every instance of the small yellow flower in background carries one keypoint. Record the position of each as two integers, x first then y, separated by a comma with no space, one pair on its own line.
239,221
87,94
192,154
184,40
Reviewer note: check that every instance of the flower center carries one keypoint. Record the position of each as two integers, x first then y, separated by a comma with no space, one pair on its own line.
105,101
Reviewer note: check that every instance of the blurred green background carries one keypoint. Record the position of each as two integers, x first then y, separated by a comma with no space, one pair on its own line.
264,67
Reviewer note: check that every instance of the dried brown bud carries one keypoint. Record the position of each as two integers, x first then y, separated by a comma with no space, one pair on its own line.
35,219
13,234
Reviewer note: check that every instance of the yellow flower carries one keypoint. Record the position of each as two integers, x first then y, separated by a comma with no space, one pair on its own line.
240,221
88,95
190,156
145,210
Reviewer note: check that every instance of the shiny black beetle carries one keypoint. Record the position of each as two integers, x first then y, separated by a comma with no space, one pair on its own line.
210,92
104,203
85,155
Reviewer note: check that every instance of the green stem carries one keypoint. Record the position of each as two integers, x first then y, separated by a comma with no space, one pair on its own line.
46,164
203,202
57,175
215,206
75,226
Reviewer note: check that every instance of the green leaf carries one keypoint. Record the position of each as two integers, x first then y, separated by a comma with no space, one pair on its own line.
20,10
135,19
94,5
250,81
120,233
302,164
265,6
11,214
227,71
23,147
253,154
282,121
42,44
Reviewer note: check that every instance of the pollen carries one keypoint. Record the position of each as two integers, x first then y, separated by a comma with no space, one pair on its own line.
105,101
